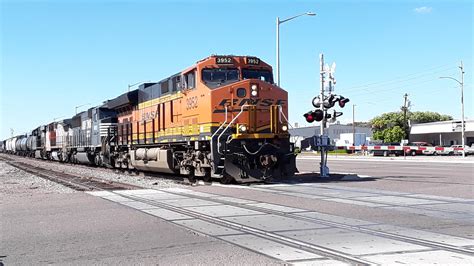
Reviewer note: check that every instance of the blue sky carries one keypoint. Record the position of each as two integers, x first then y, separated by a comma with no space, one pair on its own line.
55,56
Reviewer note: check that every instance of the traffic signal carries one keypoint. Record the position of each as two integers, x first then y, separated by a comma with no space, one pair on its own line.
316,115
343,101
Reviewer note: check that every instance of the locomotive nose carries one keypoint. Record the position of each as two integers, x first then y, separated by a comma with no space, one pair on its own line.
268,160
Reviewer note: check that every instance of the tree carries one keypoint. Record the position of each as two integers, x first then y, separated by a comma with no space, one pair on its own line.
389,126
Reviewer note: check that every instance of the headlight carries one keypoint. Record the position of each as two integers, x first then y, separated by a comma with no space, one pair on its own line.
254,91
242,128
284,128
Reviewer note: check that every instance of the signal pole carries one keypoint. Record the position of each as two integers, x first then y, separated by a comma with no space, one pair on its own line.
321,95
324,170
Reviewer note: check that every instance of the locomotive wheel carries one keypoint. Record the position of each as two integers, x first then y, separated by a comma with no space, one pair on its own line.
207,178
191,177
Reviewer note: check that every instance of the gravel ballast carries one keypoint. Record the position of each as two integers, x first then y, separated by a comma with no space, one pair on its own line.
18,183
15,179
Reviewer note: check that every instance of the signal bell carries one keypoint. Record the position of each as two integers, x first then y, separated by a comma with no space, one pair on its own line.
316,115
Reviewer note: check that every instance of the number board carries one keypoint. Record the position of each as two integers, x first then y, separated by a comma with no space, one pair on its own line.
224,60
252,61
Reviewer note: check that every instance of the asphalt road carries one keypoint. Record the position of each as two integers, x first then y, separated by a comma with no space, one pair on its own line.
79,229
422,175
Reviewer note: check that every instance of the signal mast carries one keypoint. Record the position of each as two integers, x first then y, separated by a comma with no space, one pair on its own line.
321,114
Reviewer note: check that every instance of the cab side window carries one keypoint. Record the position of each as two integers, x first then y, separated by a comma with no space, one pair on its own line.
190,80
164,87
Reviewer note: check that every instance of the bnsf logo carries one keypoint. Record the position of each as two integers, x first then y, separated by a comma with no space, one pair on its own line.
241,102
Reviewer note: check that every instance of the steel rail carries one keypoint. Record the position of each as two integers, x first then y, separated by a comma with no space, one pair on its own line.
412,240
254,231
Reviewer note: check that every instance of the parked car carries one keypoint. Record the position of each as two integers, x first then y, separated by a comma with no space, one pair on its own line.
388,152
446,152
457,152
421,152
468,150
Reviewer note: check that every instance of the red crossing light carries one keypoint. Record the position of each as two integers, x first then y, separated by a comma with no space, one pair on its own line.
316,115
343,101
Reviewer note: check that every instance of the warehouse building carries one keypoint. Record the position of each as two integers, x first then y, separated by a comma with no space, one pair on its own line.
299,135
443,133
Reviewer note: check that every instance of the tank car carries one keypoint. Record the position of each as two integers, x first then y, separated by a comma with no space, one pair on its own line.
13,145
33,142
21,145
9,148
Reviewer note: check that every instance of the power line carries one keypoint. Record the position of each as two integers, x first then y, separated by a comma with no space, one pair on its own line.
376,90
401,78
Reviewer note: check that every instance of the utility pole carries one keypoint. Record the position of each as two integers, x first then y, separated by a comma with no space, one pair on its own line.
12,132
405,109
353,125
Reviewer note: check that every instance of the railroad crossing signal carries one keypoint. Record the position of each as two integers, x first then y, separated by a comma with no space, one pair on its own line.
316,115
321,114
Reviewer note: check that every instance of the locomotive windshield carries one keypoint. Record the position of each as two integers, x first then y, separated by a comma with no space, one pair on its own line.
214,77
264,75
106,113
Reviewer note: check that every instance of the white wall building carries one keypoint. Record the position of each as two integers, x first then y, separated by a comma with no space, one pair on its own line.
443,133
334,132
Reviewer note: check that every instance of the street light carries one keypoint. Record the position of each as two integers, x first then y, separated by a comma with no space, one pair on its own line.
81,106
278,22
462,105
134,84
59,117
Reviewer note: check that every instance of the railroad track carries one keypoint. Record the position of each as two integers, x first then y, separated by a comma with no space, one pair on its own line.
88,184
73,181
412,240
274,237
301,245
145,175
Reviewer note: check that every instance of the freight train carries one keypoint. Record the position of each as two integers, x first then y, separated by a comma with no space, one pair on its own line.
222,118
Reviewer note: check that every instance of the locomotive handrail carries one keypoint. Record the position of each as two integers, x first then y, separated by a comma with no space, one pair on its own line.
225,121
280,108
212,136
230,123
